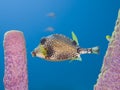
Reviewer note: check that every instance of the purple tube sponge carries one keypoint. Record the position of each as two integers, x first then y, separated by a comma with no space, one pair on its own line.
15,75
109,78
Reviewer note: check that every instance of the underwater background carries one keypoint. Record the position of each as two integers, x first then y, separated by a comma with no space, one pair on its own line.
91,20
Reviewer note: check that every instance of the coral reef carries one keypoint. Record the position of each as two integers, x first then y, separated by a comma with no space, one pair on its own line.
15,75
109,78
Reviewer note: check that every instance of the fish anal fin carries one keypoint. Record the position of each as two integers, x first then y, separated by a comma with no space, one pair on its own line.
78,59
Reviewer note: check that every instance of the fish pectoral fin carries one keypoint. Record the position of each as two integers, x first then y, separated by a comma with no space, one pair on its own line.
74,37
43,51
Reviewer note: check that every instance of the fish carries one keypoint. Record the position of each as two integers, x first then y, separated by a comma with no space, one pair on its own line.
51,14
58,47
50,29
108,37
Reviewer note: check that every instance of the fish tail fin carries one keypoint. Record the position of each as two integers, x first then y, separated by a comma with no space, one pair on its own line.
95,50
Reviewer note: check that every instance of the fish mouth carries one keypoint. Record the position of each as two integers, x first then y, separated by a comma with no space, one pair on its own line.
33,53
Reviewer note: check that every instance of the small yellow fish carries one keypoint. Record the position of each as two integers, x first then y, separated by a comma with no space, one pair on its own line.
58,47
108,37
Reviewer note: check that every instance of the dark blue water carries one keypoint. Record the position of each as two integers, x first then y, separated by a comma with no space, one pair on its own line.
91,20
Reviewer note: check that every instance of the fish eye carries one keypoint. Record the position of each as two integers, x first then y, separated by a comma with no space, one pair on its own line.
43,41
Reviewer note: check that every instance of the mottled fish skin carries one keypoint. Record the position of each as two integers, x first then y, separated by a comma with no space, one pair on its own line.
62,38
59,47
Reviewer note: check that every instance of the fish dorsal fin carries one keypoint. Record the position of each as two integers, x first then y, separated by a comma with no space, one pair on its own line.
62,38
74,37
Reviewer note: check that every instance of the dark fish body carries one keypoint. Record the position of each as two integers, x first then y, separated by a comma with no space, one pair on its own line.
57,47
